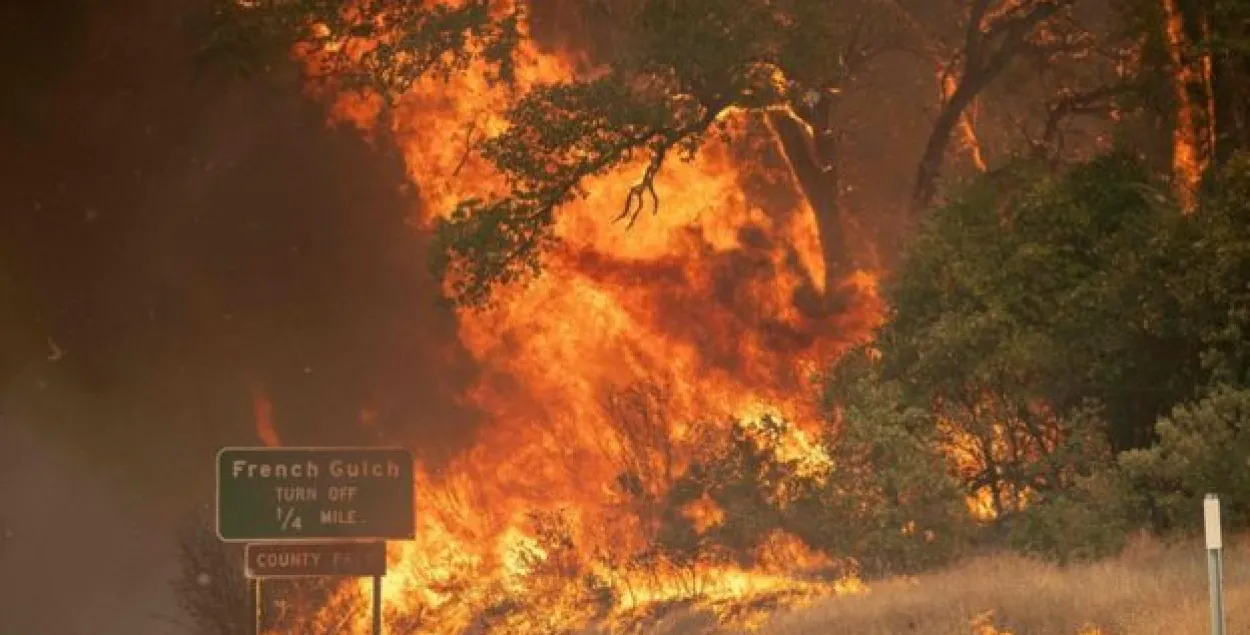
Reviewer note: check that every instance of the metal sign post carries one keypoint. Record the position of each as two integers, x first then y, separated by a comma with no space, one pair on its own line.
258,605
1215,563
377,605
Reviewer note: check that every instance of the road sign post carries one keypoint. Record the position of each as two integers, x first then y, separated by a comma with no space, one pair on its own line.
1215,560
323,511
257,606
377,605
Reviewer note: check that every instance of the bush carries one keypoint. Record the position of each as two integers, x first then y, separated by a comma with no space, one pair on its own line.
216,597
210,586
1087,521
1204,447
891,500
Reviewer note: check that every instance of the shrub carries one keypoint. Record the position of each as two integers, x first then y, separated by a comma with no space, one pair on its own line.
1087,521
1203,447
891,500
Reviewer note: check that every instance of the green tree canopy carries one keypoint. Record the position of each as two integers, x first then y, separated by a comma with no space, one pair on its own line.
1204,447
399,41
1045,318
1042,288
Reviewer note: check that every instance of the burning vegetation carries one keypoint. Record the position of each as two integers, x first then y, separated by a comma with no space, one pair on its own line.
607,379
655,438
648,394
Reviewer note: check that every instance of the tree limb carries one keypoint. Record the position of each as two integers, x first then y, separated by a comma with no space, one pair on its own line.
974,37
634,198
557,140
469,131
1087,102
1011,35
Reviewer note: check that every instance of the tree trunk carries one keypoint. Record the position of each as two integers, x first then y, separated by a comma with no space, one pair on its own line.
812,155
940,138
967,125
987,52
1187,161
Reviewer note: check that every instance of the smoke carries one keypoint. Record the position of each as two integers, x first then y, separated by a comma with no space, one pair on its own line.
168,243
180,239
68,557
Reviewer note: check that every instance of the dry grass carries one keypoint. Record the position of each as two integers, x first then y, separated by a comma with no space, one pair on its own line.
1151,589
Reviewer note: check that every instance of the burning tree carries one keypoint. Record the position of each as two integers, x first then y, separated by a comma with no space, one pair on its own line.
673,77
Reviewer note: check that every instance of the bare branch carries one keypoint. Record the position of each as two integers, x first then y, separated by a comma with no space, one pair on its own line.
974,37
1012,36
634,203
1094,101
469,130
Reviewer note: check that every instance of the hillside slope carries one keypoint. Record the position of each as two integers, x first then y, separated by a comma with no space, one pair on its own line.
1151,589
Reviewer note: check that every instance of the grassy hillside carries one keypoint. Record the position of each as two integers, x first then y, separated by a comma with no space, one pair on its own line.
1152,588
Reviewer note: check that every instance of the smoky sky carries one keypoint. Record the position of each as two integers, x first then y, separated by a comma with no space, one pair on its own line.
174,239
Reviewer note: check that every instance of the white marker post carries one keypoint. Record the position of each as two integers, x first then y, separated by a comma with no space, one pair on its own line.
1215,563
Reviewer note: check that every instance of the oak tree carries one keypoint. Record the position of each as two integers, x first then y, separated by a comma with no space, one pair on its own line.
674,74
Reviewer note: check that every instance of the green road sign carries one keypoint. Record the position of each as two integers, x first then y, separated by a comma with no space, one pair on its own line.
289,494
301,560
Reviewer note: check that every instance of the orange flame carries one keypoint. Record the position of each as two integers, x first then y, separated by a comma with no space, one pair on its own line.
1187,158
696,301
262,412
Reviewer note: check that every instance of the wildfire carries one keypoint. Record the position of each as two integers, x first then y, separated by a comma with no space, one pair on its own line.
262,412
696,299
972,455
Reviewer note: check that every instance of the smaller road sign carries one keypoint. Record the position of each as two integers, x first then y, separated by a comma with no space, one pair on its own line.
314,494
302,560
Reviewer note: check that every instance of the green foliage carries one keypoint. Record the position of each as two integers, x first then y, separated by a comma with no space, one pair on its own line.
685,64
1089,519
708,45
891,500
1217,280
1084,288
875,490
1204,447
886,501
716,48
558,135
1040,288
1085,306
402,41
